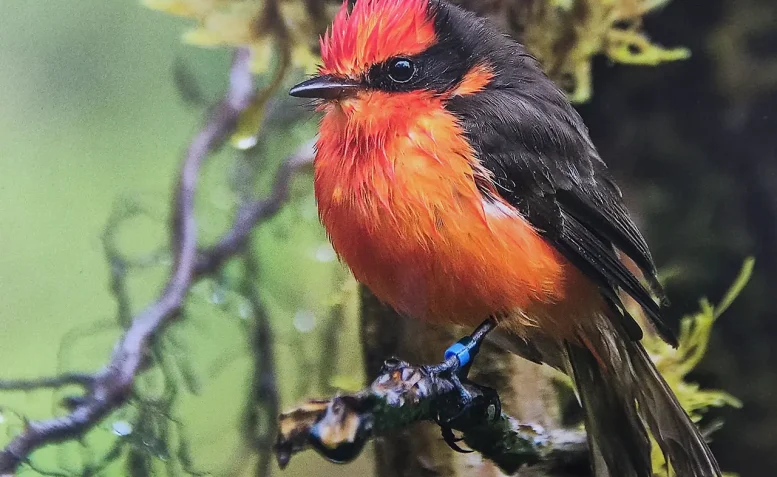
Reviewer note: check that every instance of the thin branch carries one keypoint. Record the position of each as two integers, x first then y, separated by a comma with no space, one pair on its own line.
112,385
402,395
109,388
235,240
260,424
69,379
118,267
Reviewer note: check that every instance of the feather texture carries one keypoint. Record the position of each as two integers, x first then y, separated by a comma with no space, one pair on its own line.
372,32
472,189
618,401
541,162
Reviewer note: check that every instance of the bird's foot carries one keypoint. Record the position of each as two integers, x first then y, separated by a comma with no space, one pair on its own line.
486,399
450,438
455,368
459,357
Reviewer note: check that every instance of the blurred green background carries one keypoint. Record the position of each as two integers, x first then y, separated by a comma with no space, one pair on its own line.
92,121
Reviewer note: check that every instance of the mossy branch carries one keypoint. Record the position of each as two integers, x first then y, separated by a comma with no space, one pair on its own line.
402,395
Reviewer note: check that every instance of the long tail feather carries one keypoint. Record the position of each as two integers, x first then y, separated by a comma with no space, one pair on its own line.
620,446
621,390
679,438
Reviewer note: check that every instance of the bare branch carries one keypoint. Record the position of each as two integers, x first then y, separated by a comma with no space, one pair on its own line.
259,423
402,395
235,240
69,379
112,386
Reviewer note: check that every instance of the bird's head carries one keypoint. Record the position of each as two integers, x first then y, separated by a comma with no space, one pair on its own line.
388,52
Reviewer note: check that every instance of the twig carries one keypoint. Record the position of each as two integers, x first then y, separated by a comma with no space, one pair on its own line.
68,379
235,240
402,395
209,262
260,425
112,386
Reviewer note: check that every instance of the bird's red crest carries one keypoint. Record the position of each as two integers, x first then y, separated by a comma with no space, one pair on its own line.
374,31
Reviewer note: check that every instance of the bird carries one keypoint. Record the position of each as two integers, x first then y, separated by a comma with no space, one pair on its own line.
459,185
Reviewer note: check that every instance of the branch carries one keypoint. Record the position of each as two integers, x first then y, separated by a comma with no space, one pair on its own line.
259,423
112,386
68,379
402,395
235,240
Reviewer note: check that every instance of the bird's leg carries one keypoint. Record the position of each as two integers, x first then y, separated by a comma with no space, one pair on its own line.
460,355
458,361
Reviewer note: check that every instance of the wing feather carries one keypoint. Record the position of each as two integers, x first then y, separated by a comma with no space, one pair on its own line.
542,161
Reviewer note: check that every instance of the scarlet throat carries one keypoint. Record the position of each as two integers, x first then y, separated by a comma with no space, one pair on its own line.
395,180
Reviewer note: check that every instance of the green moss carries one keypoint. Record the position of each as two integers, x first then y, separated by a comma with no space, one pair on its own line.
565,35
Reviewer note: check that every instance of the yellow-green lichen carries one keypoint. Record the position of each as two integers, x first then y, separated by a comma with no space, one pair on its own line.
565,35
675,364
267,27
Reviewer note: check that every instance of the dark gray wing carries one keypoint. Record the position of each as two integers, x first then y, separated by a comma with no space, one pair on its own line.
544,164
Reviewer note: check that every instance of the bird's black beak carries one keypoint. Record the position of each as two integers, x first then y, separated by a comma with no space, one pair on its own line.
326,87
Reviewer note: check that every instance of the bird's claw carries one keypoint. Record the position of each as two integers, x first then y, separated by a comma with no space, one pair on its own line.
451,440
486,398
455,368
452,370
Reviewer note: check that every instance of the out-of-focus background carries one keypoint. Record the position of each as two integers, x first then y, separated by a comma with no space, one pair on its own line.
99,99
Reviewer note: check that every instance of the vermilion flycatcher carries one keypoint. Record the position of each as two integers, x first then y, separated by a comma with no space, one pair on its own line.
459,185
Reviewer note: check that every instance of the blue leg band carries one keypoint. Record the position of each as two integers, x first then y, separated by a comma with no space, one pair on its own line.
461,349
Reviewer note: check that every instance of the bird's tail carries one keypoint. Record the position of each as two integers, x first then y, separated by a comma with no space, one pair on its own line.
621,390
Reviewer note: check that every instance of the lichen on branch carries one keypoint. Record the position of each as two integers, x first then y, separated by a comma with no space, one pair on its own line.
565,35
403,395
266,27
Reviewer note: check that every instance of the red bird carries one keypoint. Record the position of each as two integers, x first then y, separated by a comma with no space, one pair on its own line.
458,184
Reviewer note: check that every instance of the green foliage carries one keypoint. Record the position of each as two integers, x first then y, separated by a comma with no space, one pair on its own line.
267,27
675,364
695,330
565,35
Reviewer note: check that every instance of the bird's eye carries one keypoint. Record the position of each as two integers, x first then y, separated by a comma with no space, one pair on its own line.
401,70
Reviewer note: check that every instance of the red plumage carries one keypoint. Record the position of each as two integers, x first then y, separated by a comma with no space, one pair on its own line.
373,31
458,183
